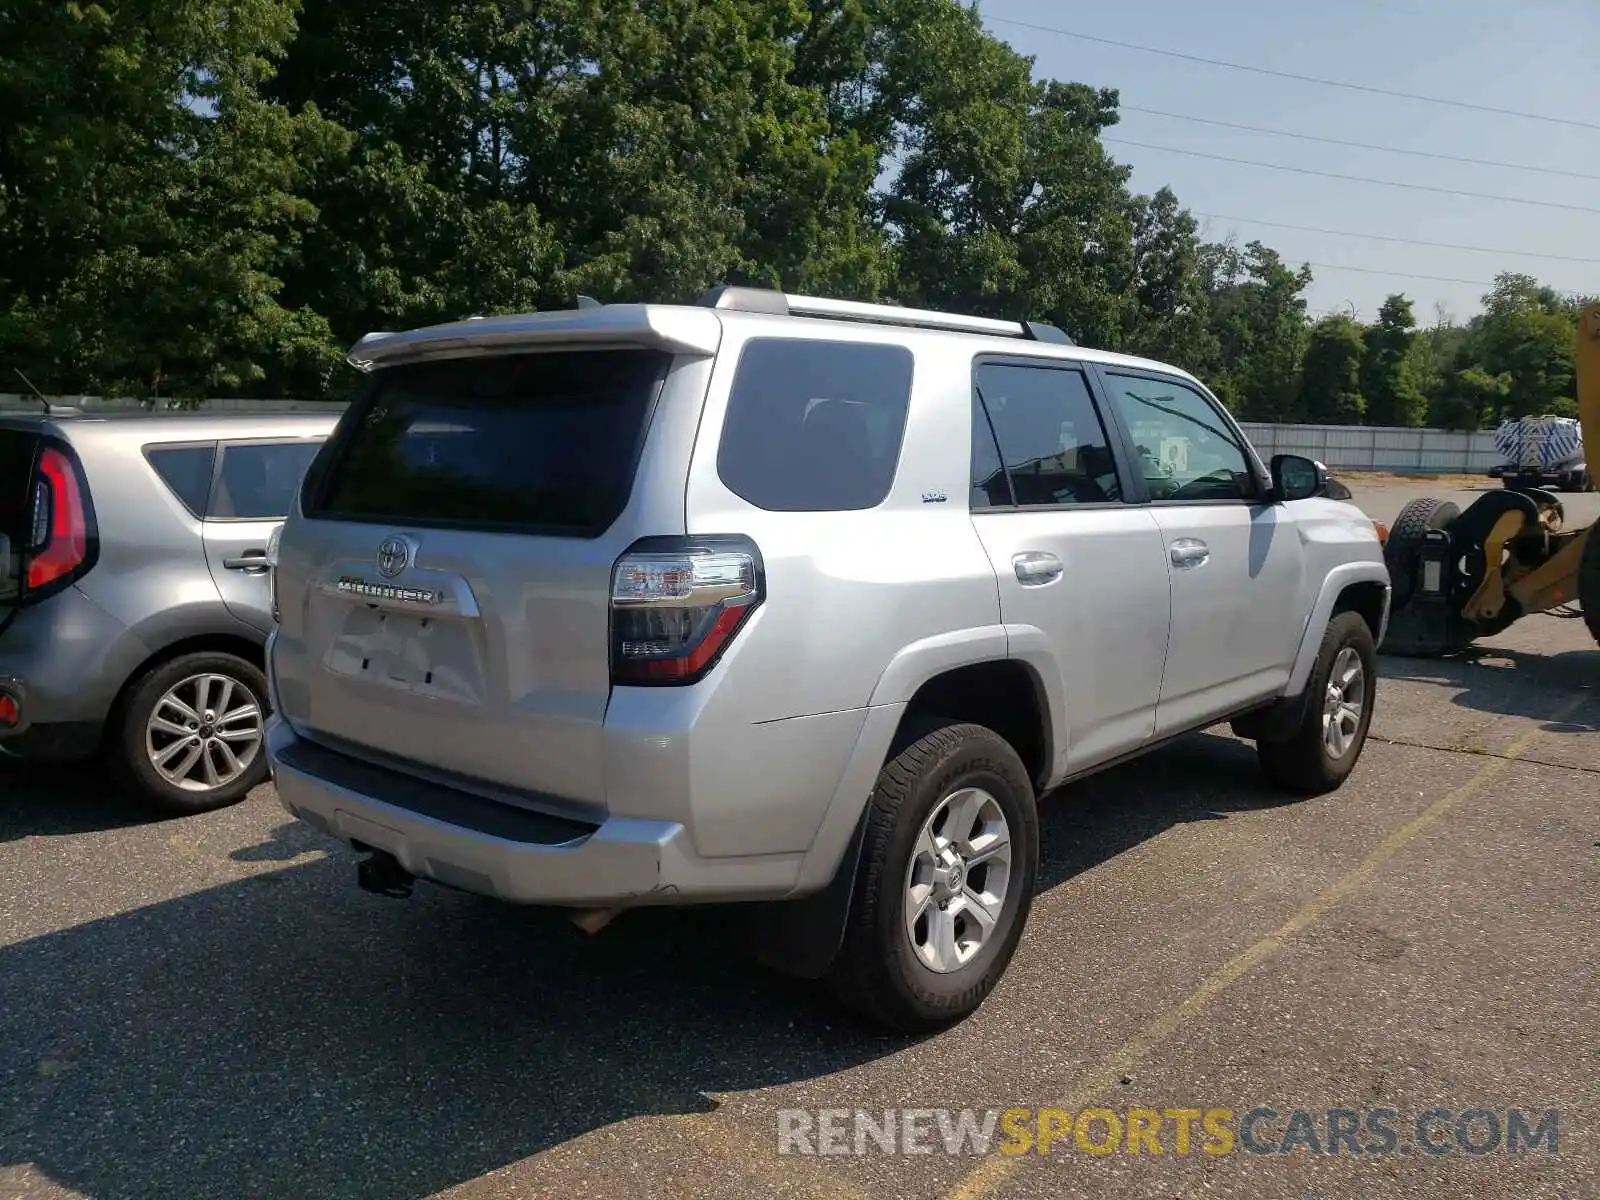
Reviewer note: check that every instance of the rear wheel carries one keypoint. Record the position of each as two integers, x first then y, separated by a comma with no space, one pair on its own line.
945,882
191,733
1322,751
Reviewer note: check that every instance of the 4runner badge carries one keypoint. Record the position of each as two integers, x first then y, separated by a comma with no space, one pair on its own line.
351,585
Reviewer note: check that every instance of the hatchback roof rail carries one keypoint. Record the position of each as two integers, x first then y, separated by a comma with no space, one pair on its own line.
773,302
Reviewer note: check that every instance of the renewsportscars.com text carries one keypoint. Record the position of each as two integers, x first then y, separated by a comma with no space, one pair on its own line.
1262,1130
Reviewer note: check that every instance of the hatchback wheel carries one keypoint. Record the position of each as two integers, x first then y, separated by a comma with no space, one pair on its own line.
192,733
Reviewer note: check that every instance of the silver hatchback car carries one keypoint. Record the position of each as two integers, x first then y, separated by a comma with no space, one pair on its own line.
133,591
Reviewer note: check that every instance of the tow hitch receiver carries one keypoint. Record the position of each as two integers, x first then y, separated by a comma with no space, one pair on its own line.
382,875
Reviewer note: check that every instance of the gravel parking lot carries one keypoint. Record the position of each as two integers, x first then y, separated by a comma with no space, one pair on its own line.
209,1007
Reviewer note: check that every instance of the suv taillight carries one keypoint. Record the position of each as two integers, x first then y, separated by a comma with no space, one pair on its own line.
676,604
60,522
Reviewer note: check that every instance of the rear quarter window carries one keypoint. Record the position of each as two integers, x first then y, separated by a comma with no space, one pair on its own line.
186,470
815,426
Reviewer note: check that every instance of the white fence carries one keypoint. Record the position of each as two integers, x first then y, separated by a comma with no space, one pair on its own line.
1347,447
1379,448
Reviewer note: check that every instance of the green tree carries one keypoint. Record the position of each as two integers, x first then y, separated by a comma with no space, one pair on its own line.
1257,313
1330,376
1388,371
1169,319
999,198
1469,399
151,199
1526,333
512,154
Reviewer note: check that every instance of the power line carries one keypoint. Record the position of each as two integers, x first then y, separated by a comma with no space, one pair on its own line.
1312,137
1379,237
1396,274
1336,83
1416,187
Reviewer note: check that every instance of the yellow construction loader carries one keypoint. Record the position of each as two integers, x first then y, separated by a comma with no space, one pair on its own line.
1459,575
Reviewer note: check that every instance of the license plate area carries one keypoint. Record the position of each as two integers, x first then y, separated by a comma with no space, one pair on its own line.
429,654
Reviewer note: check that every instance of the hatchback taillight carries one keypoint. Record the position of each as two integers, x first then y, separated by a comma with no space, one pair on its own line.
676,604
60,522
274,542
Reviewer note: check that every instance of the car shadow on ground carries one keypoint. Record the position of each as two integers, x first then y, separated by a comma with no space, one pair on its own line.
58,799
287,1034
1513,683
1201,777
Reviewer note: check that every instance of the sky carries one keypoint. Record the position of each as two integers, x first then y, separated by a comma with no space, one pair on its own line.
1532,57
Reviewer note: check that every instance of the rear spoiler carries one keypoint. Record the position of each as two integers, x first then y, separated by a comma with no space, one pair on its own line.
678,330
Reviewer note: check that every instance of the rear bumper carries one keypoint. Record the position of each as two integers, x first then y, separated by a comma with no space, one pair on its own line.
500,850
63,660
66,741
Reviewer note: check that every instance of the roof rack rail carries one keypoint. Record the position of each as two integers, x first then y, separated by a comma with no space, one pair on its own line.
773,302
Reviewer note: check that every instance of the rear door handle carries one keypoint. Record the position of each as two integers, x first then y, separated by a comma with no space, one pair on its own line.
1035,568
1189,553
253,562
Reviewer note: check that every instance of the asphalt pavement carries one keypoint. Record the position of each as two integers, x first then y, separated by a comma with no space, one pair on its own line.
208,1006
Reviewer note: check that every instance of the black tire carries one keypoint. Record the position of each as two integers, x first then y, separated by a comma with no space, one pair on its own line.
129,757
1301,761
1406,536
877,972
1589,582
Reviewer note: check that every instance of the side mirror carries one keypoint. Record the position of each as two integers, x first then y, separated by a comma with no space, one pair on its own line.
1295,477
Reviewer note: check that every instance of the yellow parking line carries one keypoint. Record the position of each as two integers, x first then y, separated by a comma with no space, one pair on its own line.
992,1172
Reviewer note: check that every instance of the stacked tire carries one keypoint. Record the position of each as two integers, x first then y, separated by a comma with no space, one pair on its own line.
1416,632
1406,537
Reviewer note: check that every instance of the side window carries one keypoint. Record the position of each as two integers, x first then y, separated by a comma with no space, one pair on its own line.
1186,451
259,482
186,470
815,426
1051,440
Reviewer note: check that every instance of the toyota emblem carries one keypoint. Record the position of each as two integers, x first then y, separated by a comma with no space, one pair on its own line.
392,557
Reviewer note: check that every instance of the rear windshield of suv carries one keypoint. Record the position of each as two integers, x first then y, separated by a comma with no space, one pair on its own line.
16,467
540,442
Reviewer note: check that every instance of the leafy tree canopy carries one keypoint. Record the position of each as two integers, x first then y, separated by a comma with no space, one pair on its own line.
219,196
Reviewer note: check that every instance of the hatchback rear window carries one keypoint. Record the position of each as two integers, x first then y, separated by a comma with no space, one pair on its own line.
529,442
16,508
815,426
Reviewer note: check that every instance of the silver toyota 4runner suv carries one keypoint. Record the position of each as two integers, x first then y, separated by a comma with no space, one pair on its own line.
794,601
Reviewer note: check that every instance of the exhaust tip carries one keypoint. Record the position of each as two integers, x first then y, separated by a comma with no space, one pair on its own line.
382,875
593,920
